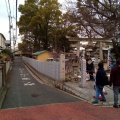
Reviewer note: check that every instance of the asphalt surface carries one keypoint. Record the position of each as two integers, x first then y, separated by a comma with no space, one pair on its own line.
26,99
24,90
68,111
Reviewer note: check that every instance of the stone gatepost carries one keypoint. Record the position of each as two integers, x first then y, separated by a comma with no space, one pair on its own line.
78,48
109,61
62,67
101,51
83,73
96,62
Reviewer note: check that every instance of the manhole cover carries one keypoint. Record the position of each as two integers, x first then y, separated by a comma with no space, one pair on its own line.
35,95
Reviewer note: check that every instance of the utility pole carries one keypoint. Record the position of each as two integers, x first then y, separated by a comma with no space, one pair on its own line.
16,20
10,29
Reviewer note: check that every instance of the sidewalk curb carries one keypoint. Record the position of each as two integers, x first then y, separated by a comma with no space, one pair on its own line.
77,93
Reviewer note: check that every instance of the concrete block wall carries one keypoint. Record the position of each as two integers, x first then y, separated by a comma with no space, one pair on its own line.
50,69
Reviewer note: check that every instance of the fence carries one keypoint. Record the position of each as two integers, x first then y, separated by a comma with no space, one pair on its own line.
0,76
4,68
49,69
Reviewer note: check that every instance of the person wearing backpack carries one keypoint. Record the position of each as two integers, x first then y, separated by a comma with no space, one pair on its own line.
99,83
115,81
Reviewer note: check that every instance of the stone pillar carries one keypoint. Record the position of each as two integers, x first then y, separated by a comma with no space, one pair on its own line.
83,73
100,51
78,55
108,61
62,67
96,62
78,48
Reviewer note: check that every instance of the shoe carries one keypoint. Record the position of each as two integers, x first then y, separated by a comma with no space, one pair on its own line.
116,106
94,102
103,100
88,80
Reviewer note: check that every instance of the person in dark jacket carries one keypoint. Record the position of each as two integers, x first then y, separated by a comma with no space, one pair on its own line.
90,68
99,83
115,80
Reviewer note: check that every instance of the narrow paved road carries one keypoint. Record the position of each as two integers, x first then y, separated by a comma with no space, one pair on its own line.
24,90
31,100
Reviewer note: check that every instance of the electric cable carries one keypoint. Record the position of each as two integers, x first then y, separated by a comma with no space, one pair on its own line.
7,7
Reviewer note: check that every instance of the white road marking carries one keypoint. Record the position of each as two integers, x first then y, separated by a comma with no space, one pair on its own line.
30,84
25,78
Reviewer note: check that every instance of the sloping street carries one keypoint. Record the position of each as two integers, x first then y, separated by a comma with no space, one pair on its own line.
24,90
28,99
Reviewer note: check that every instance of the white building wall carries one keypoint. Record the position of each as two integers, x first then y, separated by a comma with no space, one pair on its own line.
2,41
50,69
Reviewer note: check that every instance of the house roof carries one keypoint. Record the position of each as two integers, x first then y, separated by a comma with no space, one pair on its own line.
39,52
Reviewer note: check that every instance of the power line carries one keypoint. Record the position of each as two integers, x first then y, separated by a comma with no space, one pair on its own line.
12,14
9,15
7,7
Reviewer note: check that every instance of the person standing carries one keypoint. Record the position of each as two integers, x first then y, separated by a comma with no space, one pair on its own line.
90,68
115,81
99,83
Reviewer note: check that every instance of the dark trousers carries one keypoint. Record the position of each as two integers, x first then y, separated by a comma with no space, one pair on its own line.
116,92
91,74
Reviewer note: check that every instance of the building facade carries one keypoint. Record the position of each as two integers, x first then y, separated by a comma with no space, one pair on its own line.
2,42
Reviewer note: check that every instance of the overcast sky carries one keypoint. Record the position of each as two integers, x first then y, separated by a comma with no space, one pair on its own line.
4,20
